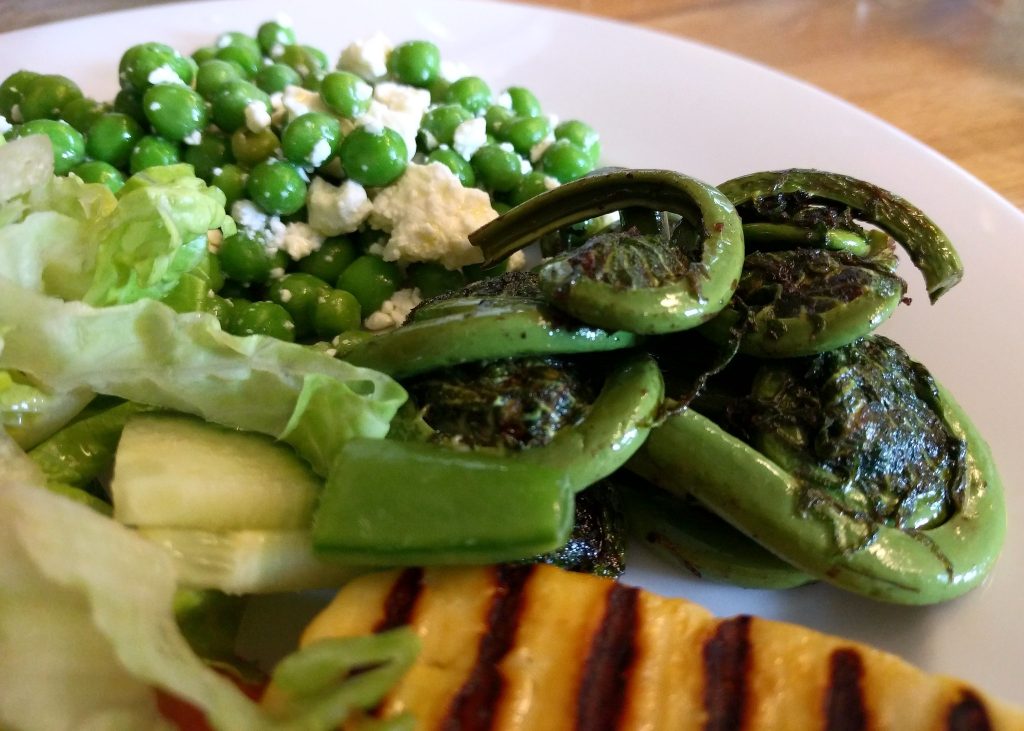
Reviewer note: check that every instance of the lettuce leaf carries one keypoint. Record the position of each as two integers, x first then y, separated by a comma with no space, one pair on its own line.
146,352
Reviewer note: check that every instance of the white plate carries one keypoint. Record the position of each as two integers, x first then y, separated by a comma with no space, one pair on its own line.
663,102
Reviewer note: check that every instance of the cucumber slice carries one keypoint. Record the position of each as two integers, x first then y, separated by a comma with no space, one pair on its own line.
249,561
176,471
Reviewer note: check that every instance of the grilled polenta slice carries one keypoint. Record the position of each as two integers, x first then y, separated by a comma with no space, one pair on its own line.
534,647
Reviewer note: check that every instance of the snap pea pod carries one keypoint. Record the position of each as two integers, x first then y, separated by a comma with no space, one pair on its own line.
643,283
929,248
474,334
691,454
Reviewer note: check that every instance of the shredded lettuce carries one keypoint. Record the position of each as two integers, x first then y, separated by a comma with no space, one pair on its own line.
148,353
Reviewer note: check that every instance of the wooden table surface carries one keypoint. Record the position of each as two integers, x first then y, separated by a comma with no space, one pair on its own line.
949,72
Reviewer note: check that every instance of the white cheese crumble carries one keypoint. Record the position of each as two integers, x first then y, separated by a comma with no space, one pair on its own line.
367,57
268,230
320,152
516,261
164,75
299,101
430,215
5,126
257,118
193,138
470,136
334,210
300,240
538,150
399,107
504,100
394,311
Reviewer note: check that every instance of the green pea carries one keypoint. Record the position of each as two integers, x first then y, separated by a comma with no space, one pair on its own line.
439,124
244,258
417,63
231,179
346,93
371,280
582,135
330,260
298,294
157,60
349,340
213,151
300,59
432,278
471,92
67,142
112,137
373,158
235,39
522,102
263,318
249,61
12,91
320,60
497,168
230,101
204,54
220,307
565,161
456,163
214,74
82,112
276,77
533,184
335,312
151,151
97,171
130,103
525,132
250,148
276,187
311,139
273,36
46,95
174,111
497,117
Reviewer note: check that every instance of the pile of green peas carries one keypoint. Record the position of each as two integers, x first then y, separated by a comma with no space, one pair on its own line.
218,110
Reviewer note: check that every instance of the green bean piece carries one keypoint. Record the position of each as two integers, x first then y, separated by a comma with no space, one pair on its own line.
96,171
929,248
409,503
911,549
691,537
417,63
112,137
81,113
276,187
67,142
12,92
626,280
152,151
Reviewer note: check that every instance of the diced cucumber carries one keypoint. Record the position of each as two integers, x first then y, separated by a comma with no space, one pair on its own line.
176,471
249,561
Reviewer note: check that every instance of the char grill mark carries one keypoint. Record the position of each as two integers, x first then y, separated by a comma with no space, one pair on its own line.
603,691
401,600
968,714
727,661
844,702
474,706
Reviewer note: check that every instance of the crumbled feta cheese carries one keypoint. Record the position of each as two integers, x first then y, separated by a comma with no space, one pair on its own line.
154,106
277,273
504,100
429,141
516,261
300,240
399,107
5,126
506,146
367,57
394,311
193,138
164,75
430,215
269,230
217,171
214,238
525,166
470,136
334,210
285,295
320,152
538,150
550,183
257,118
299,101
